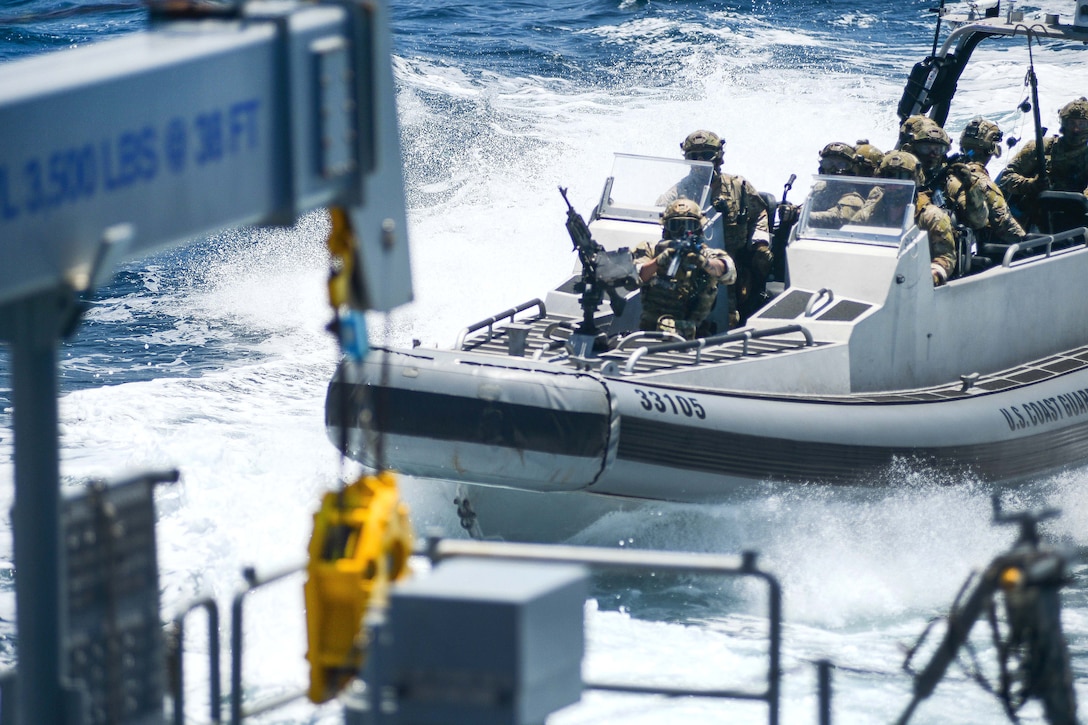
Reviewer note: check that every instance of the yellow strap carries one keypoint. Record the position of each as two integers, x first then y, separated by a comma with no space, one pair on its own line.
341,245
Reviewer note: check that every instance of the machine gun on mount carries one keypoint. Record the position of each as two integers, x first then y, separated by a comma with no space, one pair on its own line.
602,273
1033,658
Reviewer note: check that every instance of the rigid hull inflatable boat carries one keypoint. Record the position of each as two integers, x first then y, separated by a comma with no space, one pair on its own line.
859,362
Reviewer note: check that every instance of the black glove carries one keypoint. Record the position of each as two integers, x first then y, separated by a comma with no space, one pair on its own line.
788,214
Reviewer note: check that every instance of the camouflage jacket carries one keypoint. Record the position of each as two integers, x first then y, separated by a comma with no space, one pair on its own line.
1001,226
929,217
689,295
961,191
744,213
1066,168
830,209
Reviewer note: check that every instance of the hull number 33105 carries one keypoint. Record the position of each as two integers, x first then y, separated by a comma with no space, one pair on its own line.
668,403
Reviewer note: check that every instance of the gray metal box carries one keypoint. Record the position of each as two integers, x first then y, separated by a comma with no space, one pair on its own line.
486,642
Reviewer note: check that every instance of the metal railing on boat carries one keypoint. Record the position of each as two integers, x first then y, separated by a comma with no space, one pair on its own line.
490,322
698,345
1048,243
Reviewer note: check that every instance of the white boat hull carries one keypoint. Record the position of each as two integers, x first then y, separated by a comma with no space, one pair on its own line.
562,432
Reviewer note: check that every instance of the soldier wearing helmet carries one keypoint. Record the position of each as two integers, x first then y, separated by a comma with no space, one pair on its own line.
979,142
1066,169
951,184
703,146
930,145
830,205
868,158
910,128
698,146
886,206
745,231
680,274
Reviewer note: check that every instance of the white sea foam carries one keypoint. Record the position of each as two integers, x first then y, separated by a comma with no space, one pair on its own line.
862,571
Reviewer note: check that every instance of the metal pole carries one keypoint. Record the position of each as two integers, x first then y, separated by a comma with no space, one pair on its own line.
33,328
823,689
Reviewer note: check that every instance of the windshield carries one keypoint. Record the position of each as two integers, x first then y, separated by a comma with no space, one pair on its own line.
640,187
855,209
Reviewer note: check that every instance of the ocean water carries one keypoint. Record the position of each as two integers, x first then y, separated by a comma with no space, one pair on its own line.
213,358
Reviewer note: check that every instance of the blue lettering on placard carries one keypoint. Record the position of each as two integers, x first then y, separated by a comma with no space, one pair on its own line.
177,142
209,137
243,125
129,158
32,176
133,156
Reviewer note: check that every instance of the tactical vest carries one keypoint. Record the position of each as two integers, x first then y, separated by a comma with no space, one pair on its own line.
733,202
1067,168
688,296
966,202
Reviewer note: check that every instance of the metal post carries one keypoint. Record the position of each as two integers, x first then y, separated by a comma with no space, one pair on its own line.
33,326
823,690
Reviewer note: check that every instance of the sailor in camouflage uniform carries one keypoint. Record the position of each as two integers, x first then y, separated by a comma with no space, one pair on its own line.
678,302
868,158
883,208
830,208
1066,158
744,222
980,142
953,186
910,127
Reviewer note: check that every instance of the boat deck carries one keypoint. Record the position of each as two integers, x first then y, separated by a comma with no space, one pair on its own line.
545,336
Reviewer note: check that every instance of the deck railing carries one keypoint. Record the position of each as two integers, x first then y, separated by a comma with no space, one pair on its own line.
601,558
489,323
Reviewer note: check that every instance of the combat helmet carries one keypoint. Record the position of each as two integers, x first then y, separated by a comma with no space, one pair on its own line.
911,126
681,216
703,146
901,165
868,157
929,144
1074,109
982,135
838,158
931,133
1077,109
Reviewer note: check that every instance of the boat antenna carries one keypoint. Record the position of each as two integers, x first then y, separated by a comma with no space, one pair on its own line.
937,31
1033,82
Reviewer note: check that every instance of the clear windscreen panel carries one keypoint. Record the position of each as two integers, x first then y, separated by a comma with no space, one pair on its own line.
856,209
640,187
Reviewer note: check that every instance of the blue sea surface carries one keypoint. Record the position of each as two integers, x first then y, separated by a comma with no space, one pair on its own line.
213,356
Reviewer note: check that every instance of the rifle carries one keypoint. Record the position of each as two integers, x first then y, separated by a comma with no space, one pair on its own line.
780,233
690,243
602,271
